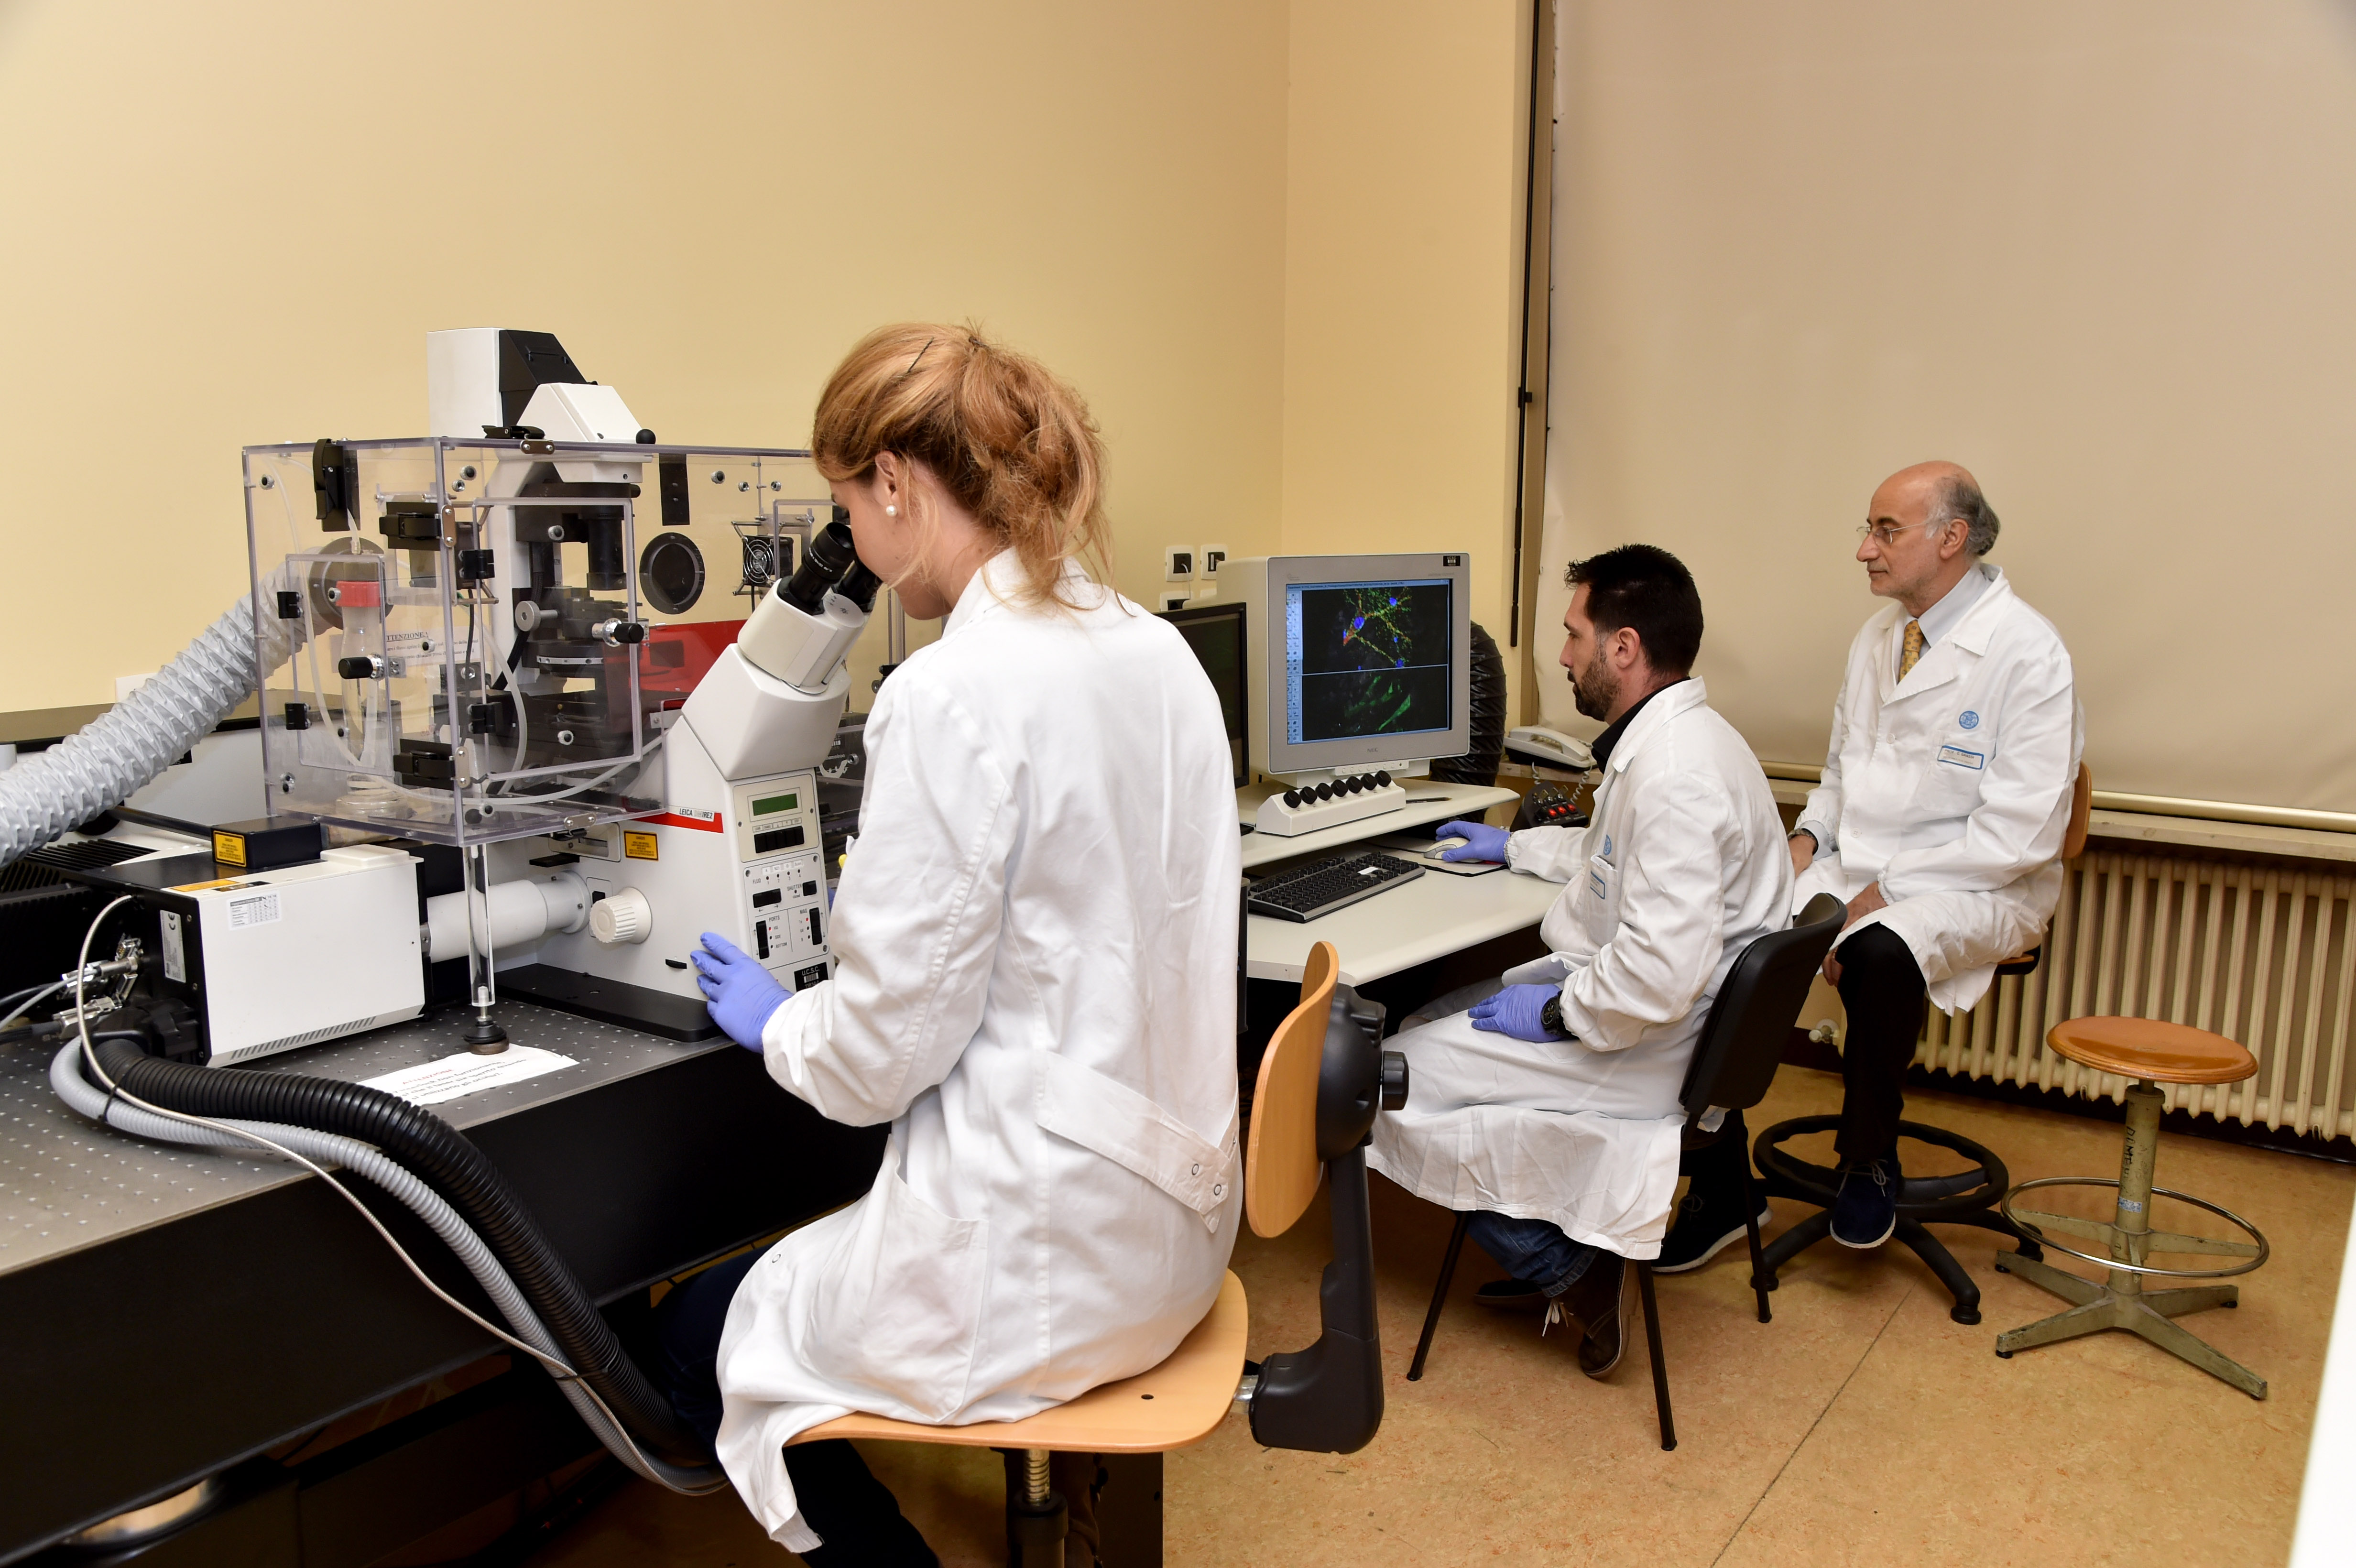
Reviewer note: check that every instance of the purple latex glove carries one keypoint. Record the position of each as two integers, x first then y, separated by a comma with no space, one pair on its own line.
738,992
1514,1011
1482,842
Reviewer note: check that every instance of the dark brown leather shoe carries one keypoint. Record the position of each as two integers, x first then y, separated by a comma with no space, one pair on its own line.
1597,1304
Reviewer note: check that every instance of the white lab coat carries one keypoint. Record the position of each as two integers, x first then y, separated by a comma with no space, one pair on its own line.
1951,788
1681,868
1035,987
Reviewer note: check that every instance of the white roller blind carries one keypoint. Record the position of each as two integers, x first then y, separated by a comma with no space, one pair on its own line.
2101,254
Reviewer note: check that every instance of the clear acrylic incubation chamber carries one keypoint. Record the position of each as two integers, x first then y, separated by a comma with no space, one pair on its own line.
467,641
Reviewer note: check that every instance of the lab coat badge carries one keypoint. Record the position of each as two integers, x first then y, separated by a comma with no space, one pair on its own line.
1970,721
1607,846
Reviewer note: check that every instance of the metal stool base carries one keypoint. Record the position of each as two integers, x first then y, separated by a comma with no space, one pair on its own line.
2146,1313
2123,1303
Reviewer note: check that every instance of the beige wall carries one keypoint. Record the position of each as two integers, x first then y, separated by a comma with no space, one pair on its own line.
2100,252
1403,283
231,224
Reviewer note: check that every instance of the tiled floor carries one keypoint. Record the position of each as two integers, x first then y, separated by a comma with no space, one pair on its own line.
1862,1426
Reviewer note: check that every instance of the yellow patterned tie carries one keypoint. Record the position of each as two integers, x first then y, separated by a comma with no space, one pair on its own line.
1912,654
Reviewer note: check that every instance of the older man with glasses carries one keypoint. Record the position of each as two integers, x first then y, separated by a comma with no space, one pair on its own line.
1946,796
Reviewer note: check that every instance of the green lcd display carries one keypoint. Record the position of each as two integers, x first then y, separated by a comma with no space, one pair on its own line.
775,803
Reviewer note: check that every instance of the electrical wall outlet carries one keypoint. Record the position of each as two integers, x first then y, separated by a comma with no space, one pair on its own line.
1173,601
1178,563
1211,557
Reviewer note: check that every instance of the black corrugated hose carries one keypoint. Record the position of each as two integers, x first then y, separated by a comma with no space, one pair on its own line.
467,1180
1479,766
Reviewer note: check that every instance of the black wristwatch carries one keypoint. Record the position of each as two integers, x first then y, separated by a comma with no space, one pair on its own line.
1550,1017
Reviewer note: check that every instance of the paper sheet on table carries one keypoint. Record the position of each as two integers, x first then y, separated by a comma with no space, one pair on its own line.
431,1083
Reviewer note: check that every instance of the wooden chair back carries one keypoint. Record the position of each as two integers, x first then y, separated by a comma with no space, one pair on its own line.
1280,1165
2082,811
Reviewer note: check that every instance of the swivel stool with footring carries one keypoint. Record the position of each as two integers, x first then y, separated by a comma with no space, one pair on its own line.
1968,1197
2150,1053
1322,1082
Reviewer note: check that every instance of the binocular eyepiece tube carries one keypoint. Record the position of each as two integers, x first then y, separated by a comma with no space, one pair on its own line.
802,632
831,564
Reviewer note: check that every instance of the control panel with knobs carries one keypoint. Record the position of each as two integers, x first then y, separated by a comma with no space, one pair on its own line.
1329,803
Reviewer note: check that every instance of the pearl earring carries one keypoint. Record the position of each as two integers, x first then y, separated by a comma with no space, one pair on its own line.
891,511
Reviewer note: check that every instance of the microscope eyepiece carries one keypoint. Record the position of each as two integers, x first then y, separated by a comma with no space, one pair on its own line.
831,553
859,586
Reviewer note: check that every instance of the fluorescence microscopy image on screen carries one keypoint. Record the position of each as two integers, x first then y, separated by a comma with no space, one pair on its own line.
1374,659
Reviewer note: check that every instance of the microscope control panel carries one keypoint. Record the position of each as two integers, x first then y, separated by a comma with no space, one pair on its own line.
776,834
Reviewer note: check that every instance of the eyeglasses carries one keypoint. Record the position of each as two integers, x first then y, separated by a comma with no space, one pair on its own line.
1886,534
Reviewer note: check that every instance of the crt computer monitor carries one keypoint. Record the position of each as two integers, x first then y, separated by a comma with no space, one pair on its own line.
1216,633
1363,659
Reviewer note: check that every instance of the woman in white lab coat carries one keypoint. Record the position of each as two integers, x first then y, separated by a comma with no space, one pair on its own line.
1035,937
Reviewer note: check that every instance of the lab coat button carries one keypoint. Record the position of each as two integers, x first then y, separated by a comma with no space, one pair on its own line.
1198,1170
1218,1189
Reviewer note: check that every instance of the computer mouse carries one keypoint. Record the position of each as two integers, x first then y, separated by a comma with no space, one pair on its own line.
1442,847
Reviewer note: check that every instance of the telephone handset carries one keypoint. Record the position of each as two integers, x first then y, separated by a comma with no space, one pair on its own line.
1549,748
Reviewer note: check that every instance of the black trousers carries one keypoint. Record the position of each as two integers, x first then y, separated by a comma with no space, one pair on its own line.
1882,989
1718,1169
856,1514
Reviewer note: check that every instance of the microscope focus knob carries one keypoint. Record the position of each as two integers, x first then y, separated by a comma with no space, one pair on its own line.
619,919
1393,1080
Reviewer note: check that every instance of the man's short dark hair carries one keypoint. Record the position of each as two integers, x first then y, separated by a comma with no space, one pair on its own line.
1645,589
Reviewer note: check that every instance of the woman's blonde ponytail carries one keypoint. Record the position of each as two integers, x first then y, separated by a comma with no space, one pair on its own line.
1013,445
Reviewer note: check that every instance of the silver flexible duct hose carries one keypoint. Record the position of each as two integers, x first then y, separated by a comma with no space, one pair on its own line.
97,768
395,1180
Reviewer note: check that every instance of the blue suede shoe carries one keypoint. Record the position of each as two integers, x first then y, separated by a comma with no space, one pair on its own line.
1865,1211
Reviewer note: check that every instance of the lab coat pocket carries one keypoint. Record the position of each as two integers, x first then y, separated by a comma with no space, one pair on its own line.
905,1307
1951,784
1598,900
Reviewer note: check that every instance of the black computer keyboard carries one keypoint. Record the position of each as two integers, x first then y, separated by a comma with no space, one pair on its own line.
1320,889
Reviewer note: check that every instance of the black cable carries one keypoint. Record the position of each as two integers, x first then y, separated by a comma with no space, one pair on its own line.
447,1161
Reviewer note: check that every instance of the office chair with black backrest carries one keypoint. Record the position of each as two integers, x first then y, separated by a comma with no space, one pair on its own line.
1742,1045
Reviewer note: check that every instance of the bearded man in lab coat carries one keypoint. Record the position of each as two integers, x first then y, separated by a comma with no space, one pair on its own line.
1945,797
1550,1108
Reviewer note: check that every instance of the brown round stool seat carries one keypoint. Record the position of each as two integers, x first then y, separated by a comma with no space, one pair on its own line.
2152,1050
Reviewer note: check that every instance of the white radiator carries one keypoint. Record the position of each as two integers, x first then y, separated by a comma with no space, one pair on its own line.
2261,956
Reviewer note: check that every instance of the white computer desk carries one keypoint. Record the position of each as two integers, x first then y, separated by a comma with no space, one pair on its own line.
1429,918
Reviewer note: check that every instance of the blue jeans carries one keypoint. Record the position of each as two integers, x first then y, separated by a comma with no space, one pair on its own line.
1533,1250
